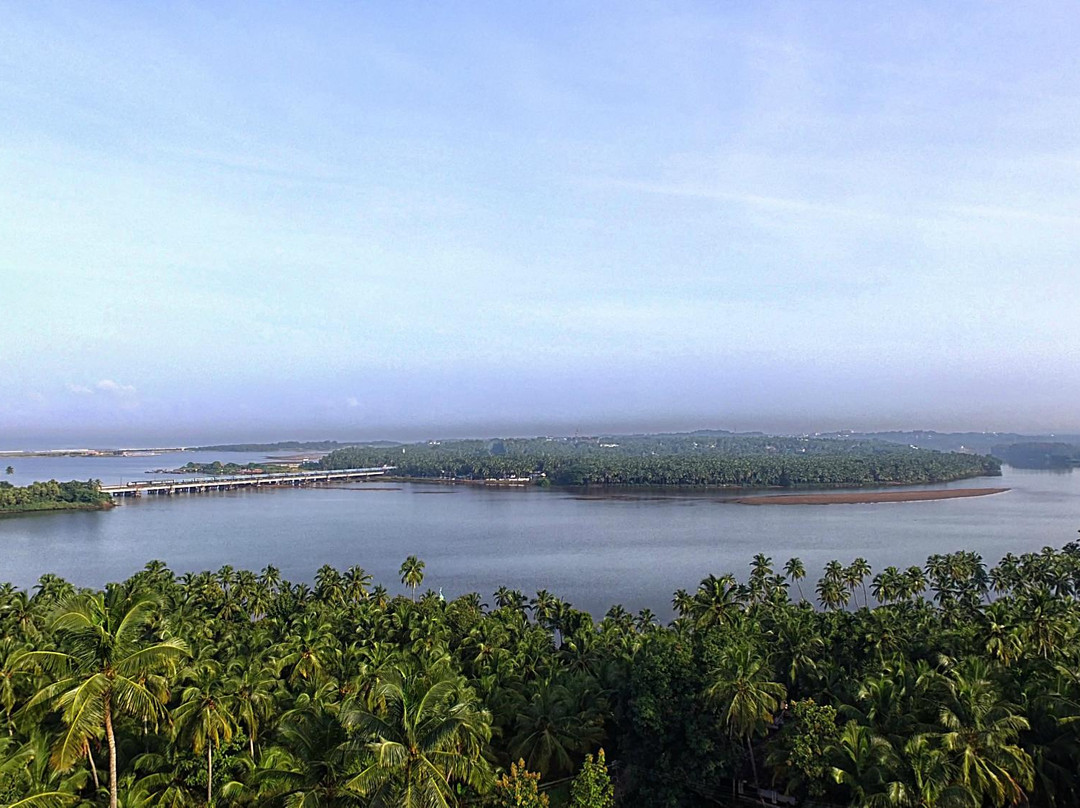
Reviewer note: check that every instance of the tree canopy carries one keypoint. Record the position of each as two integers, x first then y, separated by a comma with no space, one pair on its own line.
953,683
52,495
691,459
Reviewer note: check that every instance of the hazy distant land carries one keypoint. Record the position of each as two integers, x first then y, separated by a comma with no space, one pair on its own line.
703,459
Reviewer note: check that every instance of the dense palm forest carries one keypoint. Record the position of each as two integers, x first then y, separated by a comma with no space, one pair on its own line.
52,496
951,684
697,458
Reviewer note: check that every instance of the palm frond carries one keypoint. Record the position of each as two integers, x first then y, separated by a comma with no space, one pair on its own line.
164,655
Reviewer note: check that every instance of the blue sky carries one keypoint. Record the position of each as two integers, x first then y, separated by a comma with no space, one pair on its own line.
271,221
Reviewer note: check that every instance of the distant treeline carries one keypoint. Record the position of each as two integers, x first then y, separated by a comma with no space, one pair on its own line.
1039,454
289,445
52,496
693,459
980,442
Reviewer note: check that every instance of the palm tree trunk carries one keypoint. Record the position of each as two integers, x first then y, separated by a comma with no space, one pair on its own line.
251,745
93,765
753,768
112,750
209,773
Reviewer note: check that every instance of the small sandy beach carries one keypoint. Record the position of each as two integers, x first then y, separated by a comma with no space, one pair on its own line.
867,497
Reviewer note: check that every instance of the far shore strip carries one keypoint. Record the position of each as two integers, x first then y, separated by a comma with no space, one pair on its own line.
867,497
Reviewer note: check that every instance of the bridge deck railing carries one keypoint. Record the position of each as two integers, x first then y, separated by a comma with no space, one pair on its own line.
246,478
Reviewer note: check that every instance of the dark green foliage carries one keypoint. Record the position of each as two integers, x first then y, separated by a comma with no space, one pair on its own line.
675,746
802,745
217,468
695,459
239,688
51,495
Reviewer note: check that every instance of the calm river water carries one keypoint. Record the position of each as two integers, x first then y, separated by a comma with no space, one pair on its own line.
629,547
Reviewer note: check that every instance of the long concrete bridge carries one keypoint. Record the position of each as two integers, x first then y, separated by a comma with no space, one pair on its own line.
198,485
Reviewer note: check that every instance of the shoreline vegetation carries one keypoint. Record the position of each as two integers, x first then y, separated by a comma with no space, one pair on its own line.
75,495
218,469
242,688
700,460
697,459
869,497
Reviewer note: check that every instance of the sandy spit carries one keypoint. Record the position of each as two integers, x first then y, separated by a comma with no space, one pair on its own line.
867,497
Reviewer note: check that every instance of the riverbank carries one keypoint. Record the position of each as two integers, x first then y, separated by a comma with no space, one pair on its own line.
513,482
45,507
869,497
76,495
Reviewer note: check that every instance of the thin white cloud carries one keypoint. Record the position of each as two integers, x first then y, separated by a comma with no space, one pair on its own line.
105,387
110,387
772,203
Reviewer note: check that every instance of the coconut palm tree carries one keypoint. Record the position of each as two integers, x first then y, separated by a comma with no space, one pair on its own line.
429,734
980,735
855,575
760,571
549,730
307,651
509,598
51,589
412,573
717,602
748,698
105,666
887,585
796,571
861,760
914,582
204,717
379,596
798,646
329,586
545,608
270,577
253,685
312,763
356,581
922,777
832,593
682,602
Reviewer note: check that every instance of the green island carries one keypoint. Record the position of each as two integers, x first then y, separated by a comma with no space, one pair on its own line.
53,496
949,684
708,458
217,468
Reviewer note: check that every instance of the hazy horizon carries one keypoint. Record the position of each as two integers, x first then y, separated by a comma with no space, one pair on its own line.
224,224
479,432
